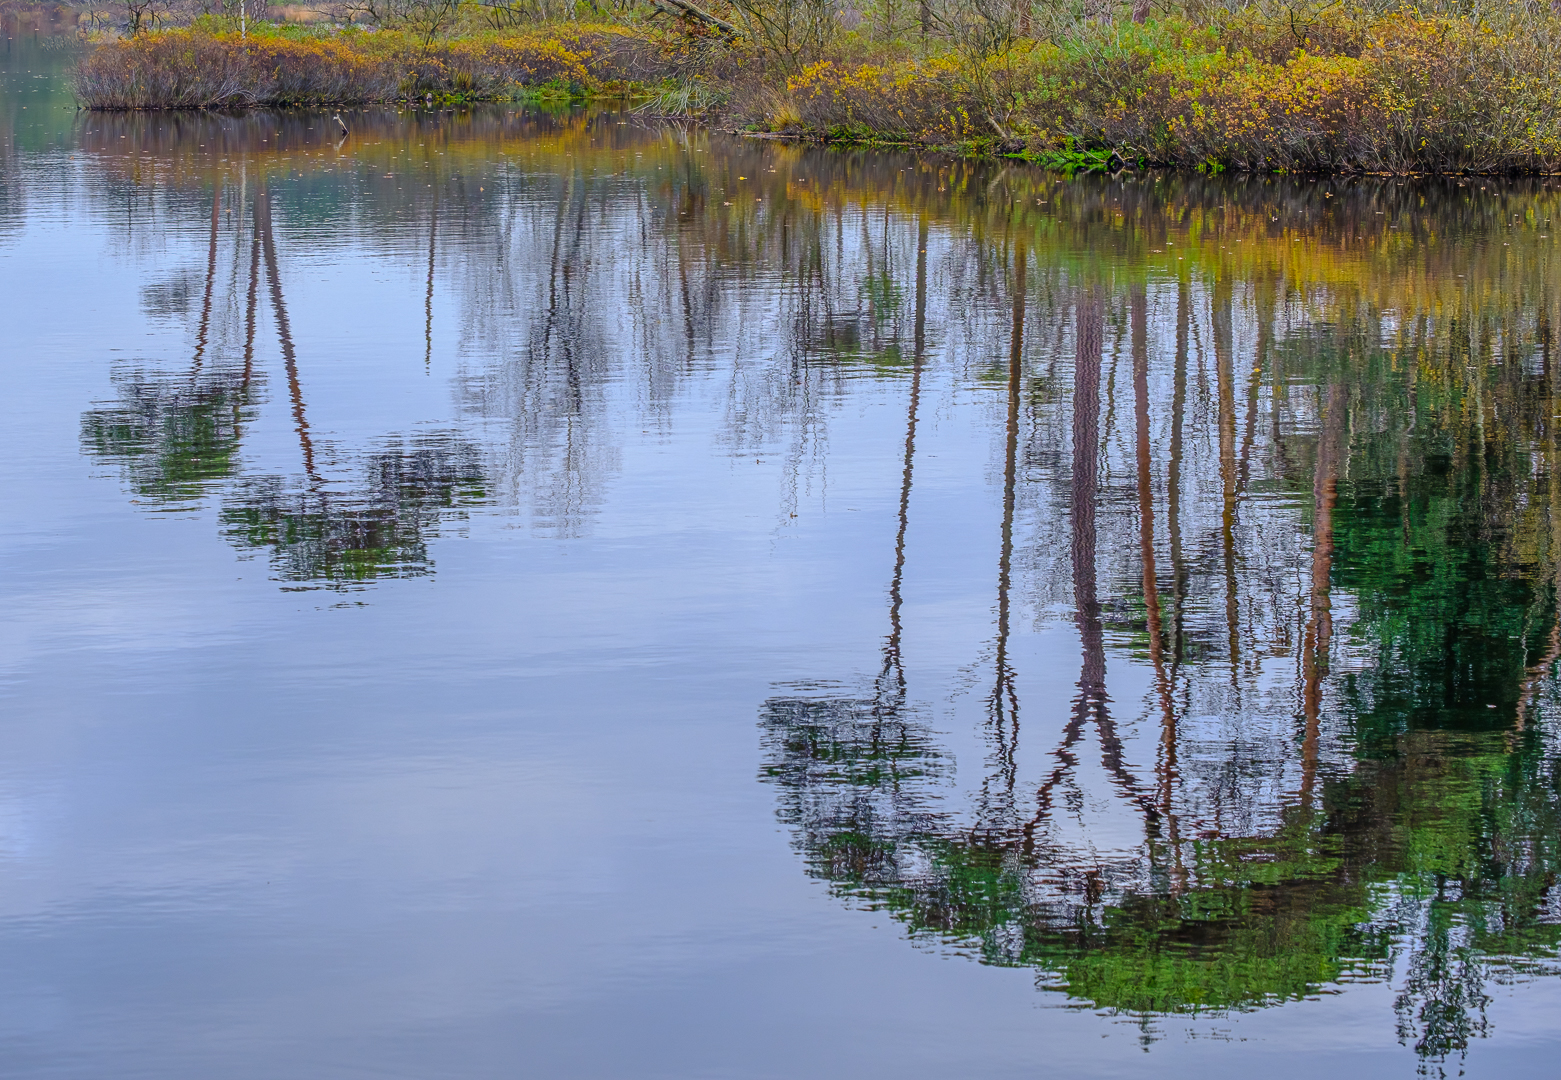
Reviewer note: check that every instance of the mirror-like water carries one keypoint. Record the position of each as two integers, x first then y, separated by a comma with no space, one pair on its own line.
503,593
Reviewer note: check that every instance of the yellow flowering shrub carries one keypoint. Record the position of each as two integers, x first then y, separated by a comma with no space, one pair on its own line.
920,101
1245,114
1453,93
1413,94
191,67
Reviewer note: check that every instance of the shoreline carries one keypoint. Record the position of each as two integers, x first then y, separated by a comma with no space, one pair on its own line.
812,138
1162,95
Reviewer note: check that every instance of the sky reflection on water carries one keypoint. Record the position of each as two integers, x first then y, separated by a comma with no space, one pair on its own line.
417,543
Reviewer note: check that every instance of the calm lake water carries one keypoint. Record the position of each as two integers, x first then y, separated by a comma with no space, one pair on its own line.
519,594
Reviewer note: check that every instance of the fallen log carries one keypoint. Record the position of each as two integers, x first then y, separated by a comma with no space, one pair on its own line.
684,9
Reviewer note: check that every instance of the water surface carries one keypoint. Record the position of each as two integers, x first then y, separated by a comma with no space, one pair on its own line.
557,594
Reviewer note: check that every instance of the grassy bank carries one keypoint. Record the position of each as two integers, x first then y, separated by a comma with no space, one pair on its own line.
1259,89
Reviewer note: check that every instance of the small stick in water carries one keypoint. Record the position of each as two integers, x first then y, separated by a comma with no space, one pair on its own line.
340,123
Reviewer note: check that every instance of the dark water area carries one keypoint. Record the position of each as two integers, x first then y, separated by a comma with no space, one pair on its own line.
509,593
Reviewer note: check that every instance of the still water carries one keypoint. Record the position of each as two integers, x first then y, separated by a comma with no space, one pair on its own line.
503,593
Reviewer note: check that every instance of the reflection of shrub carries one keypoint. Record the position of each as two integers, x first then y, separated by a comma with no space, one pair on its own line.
188,68
684,98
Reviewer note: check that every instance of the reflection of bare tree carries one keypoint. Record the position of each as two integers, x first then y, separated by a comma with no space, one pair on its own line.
179,440
177,435
428,296
1173,482
1230,777
1224,362
892,678
172,437
596,292
284,333
1092,701
211,278
1003,703
1016,895
1442,1004
1319,626
377,528
552,391
630,280
251,305
1153,620
857,785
